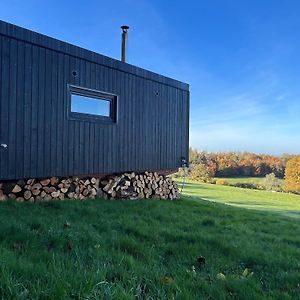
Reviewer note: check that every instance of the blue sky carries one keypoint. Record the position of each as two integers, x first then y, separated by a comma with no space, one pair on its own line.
241,58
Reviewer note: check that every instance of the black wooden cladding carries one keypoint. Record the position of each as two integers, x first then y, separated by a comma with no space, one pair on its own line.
150,133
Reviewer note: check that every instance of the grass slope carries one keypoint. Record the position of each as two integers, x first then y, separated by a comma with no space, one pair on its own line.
257,180
146,250
281,203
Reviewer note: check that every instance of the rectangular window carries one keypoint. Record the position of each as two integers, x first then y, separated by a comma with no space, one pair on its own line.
89,105
92,105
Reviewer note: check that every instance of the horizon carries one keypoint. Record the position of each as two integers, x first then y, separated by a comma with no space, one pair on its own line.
244,152
240,59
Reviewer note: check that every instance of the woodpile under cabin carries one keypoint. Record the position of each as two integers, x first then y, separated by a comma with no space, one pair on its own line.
76,124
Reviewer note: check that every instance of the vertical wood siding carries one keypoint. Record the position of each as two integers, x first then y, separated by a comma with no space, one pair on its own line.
152,126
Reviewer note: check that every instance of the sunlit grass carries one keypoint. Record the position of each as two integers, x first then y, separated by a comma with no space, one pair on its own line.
282,203
257,180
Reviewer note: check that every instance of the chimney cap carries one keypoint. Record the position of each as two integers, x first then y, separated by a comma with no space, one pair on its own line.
124,27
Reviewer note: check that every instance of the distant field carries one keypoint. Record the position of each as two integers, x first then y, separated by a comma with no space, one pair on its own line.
282,203
257,180
242,179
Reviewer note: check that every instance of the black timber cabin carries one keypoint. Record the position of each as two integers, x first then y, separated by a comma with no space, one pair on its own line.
67,111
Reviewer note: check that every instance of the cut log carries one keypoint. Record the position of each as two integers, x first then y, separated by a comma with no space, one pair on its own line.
36,191
27,195
49,190
38,199
108,186
37,186
12,196
64,190
55,194
141,195
3,197
30,181
71,195
93,192
16,189
45,182
47,197
54,180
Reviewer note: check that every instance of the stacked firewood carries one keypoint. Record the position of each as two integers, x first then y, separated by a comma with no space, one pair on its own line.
128,186
146,185
35,190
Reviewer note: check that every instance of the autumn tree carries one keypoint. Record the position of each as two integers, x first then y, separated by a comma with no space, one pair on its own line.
200,172
292,175
202,164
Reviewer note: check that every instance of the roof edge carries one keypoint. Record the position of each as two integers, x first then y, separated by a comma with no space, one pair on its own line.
38,39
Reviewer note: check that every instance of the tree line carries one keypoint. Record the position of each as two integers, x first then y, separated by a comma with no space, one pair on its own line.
230,164
205,166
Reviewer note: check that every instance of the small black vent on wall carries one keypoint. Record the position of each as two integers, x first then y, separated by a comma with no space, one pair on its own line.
92,105
74,73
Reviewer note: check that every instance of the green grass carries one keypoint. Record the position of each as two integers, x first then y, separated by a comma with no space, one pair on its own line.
232,180
147,250
276,202
242,179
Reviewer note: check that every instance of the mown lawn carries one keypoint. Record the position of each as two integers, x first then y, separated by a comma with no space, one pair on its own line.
275,202
146,250
232,180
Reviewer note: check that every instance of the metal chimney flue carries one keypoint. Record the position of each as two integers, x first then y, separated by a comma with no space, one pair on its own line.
124,41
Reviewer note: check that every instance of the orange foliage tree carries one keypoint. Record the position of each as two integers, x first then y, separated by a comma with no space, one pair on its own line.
292,175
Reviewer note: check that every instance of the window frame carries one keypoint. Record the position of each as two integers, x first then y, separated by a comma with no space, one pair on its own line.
90,93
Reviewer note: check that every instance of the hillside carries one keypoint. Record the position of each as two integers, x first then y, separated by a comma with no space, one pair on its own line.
274,202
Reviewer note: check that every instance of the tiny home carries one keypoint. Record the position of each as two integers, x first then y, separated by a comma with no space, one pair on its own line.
67,111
